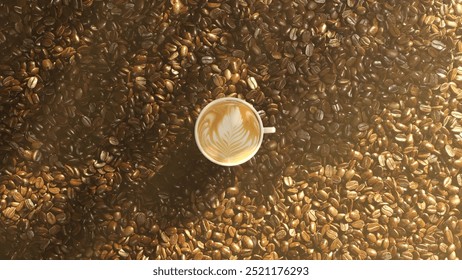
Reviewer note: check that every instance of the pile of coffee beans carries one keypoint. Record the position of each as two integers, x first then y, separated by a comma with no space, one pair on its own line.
98,100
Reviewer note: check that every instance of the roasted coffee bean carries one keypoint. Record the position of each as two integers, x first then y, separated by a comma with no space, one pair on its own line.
32,82
252,83
97,118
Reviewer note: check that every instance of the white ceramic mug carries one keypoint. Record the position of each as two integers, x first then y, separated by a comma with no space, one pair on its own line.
229,131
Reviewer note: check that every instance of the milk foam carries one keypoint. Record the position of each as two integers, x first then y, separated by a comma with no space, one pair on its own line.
229,132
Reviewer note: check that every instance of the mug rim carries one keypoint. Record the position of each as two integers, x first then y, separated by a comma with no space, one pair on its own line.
220,100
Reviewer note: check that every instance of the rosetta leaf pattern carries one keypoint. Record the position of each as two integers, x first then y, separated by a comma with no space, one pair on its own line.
225,135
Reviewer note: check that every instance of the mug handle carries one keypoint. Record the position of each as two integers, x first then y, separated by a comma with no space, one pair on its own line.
269,130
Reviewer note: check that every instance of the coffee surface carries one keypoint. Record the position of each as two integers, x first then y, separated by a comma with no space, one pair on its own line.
229,132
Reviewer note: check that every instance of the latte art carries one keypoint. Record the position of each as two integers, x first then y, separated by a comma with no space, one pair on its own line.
229,132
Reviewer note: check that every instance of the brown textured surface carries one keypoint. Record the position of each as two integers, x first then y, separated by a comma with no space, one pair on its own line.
97,96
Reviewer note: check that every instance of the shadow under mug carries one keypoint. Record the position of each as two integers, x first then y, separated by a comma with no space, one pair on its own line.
229,131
